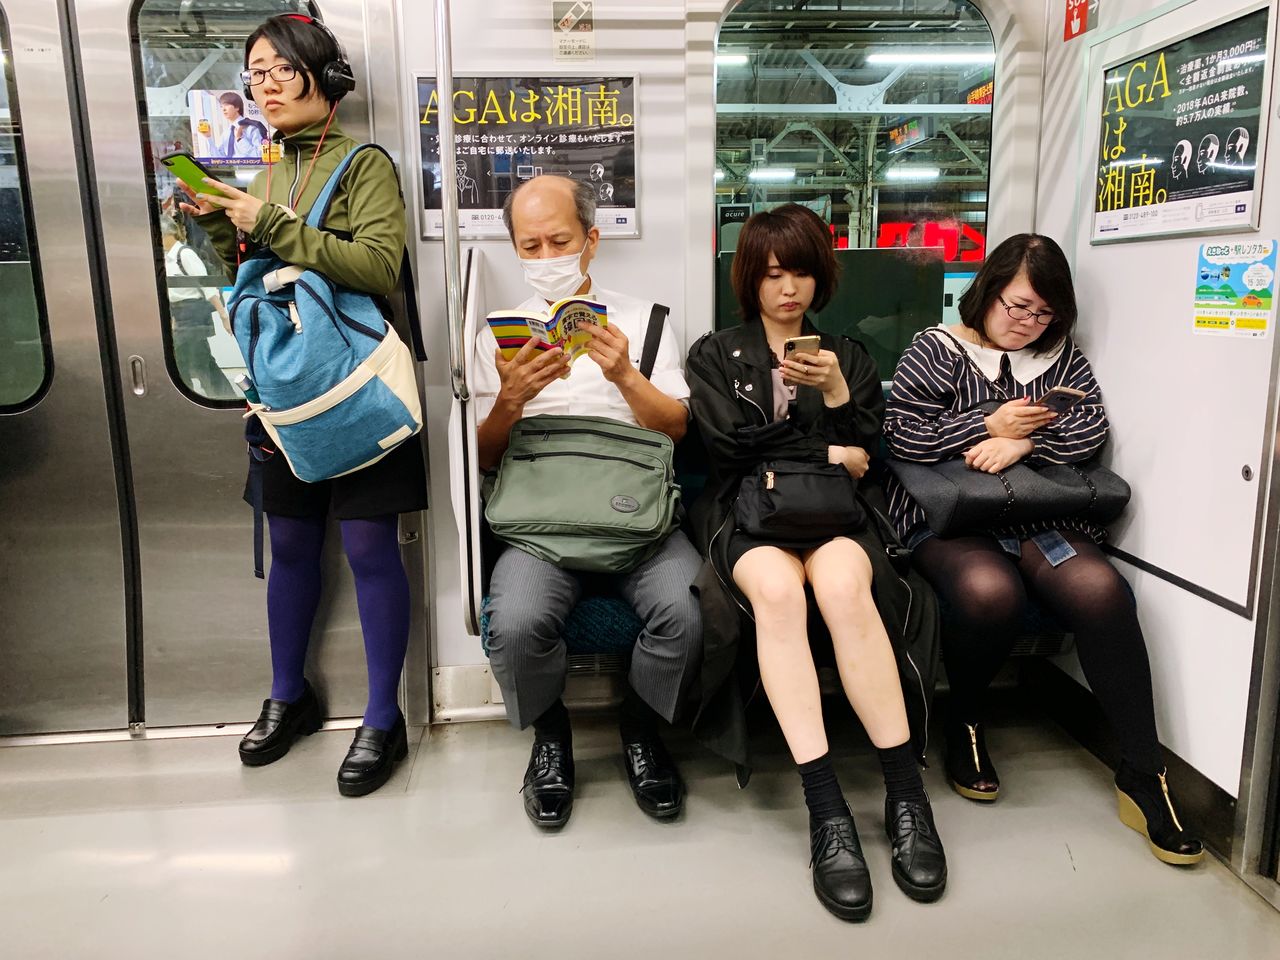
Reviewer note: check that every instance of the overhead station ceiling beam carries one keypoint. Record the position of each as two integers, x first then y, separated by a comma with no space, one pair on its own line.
835,110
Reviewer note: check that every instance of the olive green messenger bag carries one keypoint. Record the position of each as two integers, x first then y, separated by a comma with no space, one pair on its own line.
588,493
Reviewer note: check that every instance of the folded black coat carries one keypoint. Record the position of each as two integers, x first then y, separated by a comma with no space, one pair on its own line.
729,375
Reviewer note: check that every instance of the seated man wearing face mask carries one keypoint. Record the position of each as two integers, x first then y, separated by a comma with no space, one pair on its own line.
551,222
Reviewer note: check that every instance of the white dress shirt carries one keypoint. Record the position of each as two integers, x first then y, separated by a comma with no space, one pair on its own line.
586,393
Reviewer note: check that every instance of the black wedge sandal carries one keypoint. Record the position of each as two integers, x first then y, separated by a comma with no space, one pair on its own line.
968,765
1145,806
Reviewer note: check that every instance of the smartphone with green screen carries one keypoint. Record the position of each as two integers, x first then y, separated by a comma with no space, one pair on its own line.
185,168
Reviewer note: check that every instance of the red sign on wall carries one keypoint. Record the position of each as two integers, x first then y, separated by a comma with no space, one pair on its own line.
960,242
1082,16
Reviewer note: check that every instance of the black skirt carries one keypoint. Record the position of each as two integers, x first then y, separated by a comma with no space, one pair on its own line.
395,484
740,543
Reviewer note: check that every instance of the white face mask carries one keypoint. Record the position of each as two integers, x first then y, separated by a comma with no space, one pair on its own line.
557,277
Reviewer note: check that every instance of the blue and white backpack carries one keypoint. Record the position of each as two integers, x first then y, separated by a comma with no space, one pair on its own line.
335,384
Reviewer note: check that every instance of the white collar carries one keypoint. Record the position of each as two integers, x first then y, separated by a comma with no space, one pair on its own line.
1025,364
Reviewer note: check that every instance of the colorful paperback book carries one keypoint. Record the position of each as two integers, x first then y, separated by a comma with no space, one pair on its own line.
566,324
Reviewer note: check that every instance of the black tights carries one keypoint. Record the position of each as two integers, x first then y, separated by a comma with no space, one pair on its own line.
987,591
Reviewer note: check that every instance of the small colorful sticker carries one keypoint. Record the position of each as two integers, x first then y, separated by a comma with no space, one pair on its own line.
1235,287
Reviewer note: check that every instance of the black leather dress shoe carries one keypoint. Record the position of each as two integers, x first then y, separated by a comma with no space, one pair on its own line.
278,724
919,863
655,781
371,759
548,783
840,875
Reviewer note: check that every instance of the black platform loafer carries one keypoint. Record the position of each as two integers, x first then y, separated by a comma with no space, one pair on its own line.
278,724
548,783
919,863
840,875
1146,806
655,781
372,758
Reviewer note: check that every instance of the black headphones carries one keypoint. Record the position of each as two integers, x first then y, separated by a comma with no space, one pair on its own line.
336,79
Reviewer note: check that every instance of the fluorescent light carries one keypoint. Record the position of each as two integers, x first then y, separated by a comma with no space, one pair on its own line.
719,175
939,59
914,173
772,173
731,59
1243,61
1137,162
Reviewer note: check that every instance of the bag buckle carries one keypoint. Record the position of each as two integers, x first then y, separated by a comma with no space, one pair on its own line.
768,479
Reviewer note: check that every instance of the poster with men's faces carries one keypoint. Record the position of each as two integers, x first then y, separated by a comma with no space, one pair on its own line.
1180,135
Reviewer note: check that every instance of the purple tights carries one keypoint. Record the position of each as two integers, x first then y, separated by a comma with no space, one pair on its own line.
382,595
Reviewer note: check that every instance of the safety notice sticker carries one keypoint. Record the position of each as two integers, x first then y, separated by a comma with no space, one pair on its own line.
1235,284
574,30
1082,16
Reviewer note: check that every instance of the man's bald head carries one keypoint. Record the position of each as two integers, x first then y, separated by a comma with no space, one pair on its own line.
550,195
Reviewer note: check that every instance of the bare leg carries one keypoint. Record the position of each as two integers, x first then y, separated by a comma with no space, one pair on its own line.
773,581
840,572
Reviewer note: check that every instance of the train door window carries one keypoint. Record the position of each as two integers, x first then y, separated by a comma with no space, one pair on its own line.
877,116
26,364
187,61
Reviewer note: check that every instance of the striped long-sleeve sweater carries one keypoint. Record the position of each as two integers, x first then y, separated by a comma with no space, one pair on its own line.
934,413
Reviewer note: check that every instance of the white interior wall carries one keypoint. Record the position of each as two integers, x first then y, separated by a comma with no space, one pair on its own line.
1187,411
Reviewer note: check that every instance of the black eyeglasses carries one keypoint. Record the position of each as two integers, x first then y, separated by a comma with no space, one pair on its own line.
1044,318
280,73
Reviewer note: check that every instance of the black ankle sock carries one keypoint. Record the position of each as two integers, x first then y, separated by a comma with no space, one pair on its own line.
901,774
822,794
553,724
636,720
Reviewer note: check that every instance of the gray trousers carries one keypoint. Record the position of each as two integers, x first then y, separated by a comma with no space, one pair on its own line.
529,600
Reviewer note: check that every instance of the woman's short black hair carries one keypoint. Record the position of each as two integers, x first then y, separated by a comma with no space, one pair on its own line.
308,46
800,240
1048,273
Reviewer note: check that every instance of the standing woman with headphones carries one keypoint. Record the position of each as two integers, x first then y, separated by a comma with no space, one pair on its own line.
296,73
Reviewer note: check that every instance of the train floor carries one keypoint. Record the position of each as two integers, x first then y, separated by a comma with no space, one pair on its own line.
170,848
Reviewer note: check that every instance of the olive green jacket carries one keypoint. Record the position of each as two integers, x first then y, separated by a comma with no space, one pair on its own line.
363,240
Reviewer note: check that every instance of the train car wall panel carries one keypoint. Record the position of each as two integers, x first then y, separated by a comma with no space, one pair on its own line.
1191,415
205,656
62,606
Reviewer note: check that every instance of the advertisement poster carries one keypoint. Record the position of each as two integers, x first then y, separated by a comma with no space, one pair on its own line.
1235,287
226,129
1180,136
509,129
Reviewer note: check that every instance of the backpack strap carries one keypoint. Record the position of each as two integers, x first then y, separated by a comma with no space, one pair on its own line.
652,337
409,293
320,209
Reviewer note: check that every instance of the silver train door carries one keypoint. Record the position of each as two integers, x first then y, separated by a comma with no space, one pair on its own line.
64,648
203,646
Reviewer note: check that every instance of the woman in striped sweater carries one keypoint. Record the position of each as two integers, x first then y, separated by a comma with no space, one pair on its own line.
969,391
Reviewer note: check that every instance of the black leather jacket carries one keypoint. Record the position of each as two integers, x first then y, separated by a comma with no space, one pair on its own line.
729,375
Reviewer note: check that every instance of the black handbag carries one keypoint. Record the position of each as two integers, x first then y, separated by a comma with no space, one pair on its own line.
794,501
957,499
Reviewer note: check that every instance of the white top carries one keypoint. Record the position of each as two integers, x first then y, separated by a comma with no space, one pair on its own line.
190,266
1025,364
586,393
